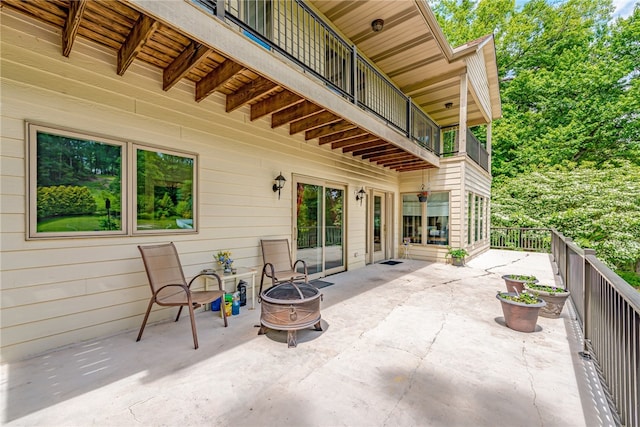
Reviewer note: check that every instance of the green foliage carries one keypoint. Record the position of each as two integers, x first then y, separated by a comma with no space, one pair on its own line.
457,252
545,288
524,297
630,277
64,200
598,207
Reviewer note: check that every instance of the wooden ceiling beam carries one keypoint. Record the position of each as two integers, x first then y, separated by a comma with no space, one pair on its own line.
416,167
328,130
376,154
249,92
396,162
217,78
394,156
295,112
314,121
353,142
189,58
359,151
142,31
431,83
341,136
71,25
277,102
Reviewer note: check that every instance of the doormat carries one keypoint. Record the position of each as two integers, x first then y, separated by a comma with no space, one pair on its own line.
391,262
320,283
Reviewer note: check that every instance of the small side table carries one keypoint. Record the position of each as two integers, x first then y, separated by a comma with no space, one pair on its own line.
241,273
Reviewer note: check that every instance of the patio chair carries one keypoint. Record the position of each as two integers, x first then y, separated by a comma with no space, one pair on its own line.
169,287
278,265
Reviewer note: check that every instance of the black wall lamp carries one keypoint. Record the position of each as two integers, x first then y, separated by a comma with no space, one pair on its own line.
377,24
279,184
360,195
448,105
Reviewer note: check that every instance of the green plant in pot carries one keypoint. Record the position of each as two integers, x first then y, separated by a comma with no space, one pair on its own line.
457,256
520,309
554,296
515,282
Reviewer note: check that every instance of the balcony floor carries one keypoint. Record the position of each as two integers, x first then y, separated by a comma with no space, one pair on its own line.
411,344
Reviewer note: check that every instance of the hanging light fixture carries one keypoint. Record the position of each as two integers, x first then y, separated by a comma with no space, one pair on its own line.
279,184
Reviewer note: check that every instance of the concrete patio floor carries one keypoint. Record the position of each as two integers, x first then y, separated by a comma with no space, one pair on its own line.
414,344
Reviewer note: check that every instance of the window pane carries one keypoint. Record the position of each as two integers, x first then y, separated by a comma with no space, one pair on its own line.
476,234
164,191
411,218
78,188
469,218
438,218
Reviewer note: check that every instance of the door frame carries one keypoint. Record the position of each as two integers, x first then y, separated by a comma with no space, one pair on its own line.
387,230
324,183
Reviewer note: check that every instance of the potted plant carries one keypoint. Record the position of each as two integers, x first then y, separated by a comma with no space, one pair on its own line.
515,282
457,256
422,196
554,297
520,310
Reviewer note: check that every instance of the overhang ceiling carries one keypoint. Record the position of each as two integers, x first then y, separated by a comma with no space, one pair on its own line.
412,50
134,35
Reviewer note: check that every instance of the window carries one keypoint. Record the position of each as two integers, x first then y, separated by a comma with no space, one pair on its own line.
411,218
476,214
434,213
470,218
164,188
78,182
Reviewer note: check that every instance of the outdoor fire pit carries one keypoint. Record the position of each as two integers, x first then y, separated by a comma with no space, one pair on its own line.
290,307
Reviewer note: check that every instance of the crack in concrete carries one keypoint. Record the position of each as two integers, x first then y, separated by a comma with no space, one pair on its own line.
421,360
509,263
533,389
134,404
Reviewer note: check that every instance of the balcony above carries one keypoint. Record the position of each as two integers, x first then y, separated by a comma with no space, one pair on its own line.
364,113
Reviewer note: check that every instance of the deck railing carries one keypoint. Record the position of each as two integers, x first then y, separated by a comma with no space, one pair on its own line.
608,310
521,239
475,150
295,31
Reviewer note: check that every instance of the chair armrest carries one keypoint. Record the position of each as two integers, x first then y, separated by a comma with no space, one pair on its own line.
304,265
209,275
271,271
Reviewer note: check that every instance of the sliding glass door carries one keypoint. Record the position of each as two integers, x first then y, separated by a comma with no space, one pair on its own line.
319,222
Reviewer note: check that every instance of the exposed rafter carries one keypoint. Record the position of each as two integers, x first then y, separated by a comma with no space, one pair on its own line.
138,36
294,112
249,92
217,78
314,121
187,60
275,103
71,25
328,130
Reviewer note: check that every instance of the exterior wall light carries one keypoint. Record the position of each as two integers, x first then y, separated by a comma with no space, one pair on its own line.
377,24
279,184
360,195
448,105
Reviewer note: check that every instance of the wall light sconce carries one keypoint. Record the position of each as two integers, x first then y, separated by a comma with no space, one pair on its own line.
279,184
448,105
377,24
360,195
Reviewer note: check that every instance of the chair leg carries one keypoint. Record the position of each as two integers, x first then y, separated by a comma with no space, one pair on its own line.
224,312
179,311
144,322
193,326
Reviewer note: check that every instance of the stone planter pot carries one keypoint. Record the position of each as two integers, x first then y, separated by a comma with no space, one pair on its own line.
555,300
520,316
458,262
516,285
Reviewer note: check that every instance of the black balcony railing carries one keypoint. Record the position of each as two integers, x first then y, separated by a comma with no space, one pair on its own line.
475,150
295,31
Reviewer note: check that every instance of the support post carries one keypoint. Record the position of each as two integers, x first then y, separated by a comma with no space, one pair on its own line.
462,119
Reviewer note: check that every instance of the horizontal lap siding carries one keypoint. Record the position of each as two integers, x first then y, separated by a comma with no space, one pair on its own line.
58,291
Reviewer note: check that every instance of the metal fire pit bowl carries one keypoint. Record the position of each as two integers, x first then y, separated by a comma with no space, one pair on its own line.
290,307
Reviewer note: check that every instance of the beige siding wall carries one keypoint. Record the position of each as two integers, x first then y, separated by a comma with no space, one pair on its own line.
59,291
478,183
477,72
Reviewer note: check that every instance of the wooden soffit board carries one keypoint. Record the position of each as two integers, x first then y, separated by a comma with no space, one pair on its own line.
188,45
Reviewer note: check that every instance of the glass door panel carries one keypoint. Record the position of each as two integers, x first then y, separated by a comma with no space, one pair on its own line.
378,227
309,225
334,231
